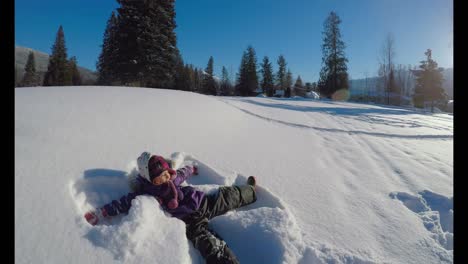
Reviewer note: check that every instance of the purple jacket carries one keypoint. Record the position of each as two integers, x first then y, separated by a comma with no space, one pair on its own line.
189,199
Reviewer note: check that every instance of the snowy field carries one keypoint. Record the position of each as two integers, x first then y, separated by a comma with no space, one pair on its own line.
339,182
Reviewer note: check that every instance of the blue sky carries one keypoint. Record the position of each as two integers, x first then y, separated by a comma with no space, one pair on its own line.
223,29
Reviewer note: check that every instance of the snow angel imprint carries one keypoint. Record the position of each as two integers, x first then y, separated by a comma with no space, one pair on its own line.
194,207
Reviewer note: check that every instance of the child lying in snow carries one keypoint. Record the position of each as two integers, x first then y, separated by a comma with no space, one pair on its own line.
192,206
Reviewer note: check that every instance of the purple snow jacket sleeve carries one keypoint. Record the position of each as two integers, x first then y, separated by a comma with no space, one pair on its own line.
125,202
189,198
183,174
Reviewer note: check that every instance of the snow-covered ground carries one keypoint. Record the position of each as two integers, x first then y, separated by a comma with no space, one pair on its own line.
339,182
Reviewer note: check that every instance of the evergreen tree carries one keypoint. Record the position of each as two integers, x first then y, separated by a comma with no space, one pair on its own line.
247,81
146,43
241,83
168,41
30,78
289,83
58,73
299,89
333,75
181,77
252,81
105,66
267,83
314,87
281,75
128,66
225,88
428,83
190,76
199,80
196,80
75,74
299,82
209,84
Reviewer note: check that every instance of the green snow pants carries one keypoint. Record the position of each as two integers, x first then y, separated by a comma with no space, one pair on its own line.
210,245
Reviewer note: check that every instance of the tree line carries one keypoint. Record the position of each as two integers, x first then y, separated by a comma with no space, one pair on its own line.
61,71
140,49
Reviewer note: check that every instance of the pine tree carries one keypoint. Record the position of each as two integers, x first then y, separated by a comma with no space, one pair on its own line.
267,83
209,84
105,66
181,77
167,42
289,83
247,81
146,43
189,77
199,80
252,70
225,88
241,83
196,80
428,83
58,73
299,89
127,65
333,75
281,75
30,78
298,82
75,74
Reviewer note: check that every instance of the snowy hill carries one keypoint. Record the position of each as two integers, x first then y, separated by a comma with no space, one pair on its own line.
42,61
339,182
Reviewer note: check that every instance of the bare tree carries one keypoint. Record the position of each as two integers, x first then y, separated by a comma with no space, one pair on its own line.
409,82
387,67
399,75
404,80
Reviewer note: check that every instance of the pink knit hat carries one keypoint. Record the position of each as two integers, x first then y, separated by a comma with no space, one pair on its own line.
143,166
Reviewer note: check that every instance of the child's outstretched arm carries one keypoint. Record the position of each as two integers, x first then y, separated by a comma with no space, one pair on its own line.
111,209
184,173
122,205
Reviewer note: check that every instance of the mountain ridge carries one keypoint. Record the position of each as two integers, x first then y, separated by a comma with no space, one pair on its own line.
88,76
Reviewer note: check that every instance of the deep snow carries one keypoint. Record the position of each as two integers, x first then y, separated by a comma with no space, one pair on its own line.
339,182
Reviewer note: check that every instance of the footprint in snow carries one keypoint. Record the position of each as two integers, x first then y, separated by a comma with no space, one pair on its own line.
435,211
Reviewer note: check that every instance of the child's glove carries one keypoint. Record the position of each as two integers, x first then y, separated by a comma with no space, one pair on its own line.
94,216
195,170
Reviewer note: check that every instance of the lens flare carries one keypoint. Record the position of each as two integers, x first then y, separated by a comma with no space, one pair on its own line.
340,95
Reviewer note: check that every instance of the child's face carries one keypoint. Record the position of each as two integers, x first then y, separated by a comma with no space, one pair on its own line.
162,178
